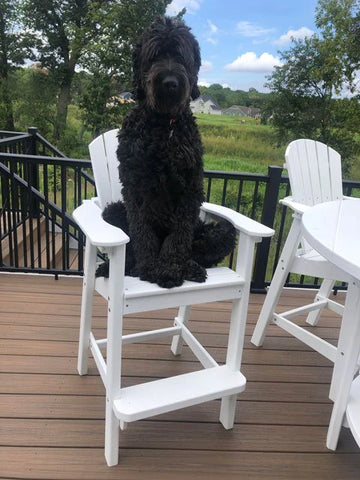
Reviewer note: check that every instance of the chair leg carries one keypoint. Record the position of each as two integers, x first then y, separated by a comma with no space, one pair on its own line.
86,307
345,363
350,328
112,433
278,281
114,351
227,411
182,317
324,292
237,326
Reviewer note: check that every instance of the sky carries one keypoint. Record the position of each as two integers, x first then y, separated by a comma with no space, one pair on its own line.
240,40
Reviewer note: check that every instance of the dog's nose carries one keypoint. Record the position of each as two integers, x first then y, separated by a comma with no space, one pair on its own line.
170,83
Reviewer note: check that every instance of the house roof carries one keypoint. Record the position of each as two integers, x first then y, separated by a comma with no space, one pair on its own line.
126,95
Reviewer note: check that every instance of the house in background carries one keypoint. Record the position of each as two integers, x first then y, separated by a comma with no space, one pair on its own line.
205,104
242,111
126,97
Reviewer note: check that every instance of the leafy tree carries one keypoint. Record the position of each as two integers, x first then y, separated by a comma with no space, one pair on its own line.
108,60
303,89
84,32
34,103
339,21
14,49
305,96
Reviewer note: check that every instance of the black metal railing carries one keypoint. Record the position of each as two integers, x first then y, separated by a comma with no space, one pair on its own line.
40,187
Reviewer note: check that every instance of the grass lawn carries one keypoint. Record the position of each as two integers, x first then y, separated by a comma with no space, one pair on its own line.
238,144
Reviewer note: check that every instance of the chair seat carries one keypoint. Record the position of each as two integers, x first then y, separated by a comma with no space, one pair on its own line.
311,263
222,283
161,396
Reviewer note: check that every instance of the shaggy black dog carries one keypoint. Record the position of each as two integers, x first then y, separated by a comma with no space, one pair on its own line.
161,169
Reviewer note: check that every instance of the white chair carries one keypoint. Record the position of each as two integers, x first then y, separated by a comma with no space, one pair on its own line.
315,176
126,295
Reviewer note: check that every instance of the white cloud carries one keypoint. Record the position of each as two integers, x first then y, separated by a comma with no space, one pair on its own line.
177,5
204,83
249,29
213,30
294,34
206,66
250,62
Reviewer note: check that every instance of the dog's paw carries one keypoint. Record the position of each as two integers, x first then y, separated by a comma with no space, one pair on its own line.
102,270
170,276
195,272
146,273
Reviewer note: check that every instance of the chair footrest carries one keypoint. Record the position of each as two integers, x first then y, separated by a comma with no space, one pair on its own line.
160,396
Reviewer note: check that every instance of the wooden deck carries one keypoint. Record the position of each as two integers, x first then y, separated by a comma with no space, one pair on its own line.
52,420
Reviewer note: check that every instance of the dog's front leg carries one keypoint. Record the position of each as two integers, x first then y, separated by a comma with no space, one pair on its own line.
146,244
175,263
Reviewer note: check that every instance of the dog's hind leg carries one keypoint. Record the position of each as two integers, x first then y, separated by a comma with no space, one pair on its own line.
212,242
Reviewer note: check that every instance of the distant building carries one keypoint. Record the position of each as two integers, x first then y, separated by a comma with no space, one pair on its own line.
126,95
205,104
242,111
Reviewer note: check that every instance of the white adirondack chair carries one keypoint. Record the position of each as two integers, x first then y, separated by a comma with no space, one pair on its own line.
315,176
126,295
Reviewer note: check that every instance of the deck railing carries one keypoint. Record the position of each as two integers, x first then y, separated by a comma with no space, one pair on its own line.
40,187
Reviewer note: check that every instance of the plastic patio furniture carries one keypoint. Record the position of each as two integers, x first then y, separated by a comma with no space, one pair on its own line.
126,295
315,177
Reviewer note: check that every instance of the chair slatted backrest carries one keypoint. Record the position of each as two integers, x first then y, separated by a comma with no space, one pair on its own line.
105,167
314,172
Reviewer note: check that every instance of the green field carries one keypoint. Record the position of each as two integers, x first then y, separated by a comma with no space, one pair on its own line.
238,145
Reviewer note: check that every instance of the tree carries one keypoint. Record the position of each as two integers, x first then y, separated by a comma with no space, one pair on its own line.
339,21
83,32
15,47
34,103
108,60
302,90
306,89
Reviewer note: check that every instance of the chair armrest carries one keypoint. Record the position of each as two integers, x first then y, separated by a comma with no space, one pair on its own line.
295,206
241,222
100,233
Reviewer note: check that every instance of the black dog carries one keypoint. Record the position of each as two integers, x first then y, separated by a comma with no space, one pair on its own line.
161,169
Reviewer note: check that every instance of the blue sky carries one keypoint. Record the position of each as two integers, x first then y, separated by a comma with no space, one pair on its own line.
240,40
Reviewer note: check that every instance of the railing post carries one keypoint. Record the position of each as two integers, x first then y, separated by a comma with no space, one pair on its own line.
33,172
267,218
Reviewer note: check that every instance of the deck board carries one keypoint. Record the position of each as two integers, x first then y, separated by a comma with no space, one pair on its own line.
52,420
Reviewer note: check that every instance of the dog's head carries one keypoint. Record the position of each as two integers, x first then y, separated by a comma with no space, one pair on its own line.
166,62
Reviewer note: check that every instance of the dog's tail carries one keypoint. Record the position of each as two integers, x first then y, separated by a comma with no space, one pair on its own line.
213,242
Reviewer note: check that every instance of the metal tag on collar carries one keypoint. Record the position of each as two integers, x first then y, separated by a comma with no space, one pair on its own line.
172,122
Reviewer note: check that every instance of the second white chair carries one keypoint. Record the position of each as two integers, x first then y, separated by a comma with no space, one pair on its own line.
315,176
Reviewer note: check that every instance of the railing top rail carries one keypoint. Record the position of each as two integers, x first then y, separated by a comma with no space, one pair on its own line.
236,175
11,134
51,147
11,140
42,159
20,181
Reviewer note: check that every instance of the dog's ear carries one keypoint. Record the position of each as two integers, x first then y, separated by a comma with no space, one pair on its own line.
138,90
195,92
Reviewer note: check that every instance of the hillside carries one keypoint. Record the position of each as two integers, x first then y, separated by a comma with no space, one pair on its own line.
238,144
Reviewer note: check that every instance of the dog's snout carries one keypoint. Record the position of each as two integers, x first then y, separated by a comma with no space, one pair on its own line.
170,82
